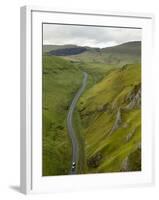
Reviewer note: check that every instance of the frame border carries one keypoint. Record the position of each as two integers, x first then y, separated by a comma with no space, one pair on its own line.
26,82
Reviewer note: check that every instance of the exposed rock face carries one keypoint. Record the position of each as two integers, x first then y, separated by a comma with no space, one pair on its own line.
133,161
117,122
130,135
103,108
134,98
124,165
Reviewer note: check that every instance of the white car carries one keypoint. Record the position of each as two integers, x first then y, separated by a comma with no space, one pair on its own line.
73,165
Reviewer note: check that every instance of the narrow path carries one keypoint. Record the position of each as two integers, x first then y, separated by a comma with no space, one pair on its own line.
70,127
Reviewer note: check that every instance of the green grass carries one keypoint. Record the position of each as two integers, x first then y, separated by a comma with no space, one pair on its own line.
111,89
107,149
61,79
105,58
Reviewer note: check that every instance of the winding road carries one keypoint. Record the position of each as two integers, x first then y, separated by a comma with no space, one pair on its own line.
70,127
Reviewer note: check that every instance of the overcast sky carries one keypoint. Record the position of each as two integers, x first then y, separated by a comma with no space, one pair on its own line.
88,35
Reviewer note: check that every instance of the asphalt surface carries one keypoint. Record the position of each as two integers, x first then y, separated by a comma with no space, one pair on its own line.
70,127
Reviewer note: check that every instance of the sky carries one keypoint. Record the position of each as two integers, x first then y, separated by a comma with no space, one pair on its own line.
98,37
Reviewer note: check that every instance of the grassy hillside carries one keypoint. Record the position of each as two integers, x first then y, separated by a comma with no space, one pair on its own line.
133,48
61,79
68,51
48,48
111,117
127,53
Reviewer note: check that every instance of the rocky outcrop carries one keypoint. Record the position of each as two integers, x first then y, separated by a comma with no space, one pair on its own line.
133,99
124,164
132,162
103,108
117,122
94,161
130,135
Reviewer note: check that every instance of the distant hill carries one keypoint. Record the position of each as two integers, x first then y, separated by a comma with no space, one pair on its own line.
48,48
127,53
67,51
126,48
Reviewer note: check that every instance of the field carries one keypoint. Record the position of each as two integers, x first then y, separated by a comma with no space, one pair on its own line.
107,119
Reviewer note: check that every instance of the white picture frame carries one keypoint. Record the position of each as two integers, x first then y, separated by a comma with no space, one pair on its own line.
31,63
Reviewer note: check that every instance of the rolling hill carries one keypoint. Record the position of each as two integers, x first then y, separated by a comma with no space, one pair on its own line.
48,48
127,53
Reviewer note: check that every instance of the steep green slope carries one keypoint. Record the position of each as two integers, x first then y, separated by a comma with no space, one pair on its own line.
111,119
61,79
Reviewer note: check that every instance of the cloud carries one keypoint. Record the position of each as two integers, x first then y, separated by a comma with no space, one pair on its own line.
88,35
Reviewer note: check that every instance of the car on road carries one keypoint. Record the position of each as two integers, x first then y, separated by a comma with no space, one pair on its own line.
73,165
